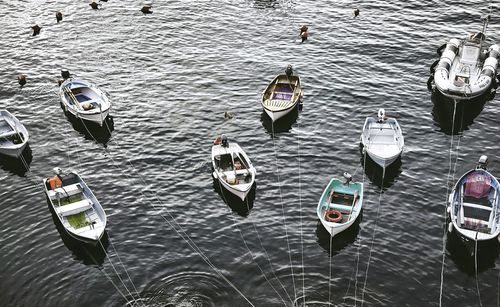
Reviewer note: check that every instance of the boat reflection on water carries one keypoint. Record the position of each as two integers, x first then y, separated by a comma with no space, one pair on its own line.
18,166
375,172
462,253
88,254
339,241
283,124
465,113
238,206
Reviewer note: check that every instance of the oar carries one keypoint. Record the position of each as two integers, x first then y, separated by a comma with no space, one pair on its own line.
73,98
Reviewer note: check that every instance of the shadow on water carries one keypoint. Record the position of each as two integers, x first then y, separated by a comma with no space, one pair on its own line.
466,112
242,208
88,254
462,253
265,4
283,124
90,130
341,240
18,166
375,172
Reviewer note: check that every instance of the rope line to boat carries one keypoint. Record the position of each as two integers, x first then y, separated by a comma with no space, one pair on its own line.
181,232
248,248
101,269
267,256
373,236
301,219
283,209
475,267
117,274
119,260
330,267
446,206
358,242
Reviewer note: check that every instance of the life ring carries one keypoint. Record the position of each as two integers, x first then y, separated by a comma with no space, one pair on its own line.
218,141
333,216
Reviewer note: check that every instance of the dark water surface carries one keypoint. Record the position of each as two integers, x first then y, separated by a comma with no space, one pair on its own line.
171,75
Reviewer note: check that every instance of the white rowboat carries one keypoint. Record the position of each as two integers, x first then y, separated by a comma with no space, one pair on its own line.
13,135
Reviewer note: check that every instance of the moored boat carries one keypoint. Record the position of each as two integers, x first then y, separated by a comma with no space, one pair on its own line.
13,135
76,207
84,100
467,68
282,95
232,167
474,205
382,139
340,204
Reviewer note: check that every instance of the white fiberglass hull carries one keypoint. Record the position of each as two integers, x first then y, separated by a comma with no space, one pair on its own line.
275,115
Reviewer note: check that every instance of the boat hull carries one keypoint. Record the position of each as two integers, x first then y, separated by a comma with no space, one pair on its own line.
97,118
275,115
13,151
240,193
384,162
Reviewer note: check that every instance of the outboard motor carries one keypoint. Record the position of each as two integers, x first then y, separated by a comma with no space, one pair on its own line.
65,74
348,178
483,162
381,115
57,170
289,71
224,141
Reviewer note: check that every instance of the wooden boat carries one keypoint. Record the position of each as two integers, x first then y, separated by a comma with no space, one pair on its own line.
13,135
76,207
474,205
232,167
282,95
340,204
84,101
466,68
382,139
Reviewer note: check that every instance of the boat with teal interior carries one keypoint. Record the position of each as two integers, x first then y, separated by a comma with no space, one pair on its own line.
340,204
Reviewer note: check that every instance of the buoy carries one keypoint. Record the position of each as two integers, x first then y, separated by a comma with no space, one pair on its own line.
228,115
147,9
58,16
22,80
356,13
450,227
94,5
59,82
36,30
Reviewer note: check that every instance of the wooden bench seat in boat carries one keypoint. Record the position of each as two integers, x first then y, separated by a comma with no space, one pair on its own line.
74,208
7,134
341,208
65,191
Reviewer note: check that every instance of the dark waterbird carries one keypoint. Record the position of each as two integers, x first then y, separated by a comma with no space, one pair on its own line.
228,115
94,5
59,16
36,30
147,9
21,79
356,13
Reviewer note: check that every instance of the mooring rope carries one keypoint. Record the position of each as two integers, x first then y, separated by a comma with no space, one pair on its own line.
475,267
446,205
301,218
283,209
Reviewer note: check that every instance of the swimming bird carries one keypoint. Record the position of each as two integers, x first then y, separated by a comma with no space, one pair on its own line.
94,5
58,16
356,13
22,80
228,115
36,30
147,9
